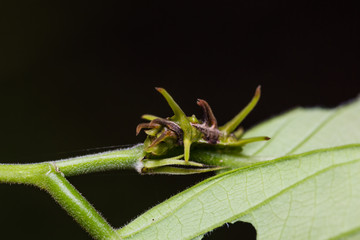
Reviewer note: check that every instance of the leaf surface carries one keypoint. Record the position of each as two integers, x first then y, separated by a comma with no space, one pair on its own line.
308,187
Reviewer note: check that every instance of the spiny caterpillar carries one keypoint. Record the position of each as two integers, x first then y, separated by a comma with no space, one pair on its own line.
164,134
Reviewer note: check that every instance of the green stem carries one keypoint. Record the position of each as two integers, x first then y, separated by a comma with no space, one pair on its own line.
77,206
50,177
112,160
23,173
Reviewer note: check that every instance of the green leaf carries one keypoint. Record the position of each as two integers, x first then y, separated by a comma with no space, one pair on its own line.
308,187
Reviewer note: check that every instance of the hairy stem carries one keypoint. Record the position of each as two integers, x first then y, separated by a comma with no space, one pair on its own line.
77,206
50,177
22,173
111,160
119,159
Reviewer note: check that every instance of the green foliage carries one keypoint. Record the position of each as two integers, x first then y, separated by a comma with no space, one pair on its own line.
302,184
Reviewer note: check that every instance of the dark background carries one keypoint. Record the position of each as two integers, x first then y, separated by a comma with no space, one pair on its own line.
78,75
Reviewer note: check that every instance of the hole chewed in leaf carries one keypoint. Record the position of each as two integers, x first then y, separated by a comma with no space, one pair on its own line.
229,231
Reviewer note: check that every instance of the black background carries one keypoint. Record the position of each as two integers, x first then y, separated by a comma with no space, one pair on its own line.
78,75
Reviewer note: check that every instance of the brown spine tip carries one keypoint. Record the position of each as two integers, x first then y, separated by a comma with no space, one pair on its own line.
145,125
209,118
159,89
267,138
258,91
138,129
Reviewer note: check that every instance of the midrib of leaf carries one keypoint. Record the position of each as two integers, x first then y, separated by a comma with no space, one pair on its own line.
351,234
224,177
286,190
267,200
